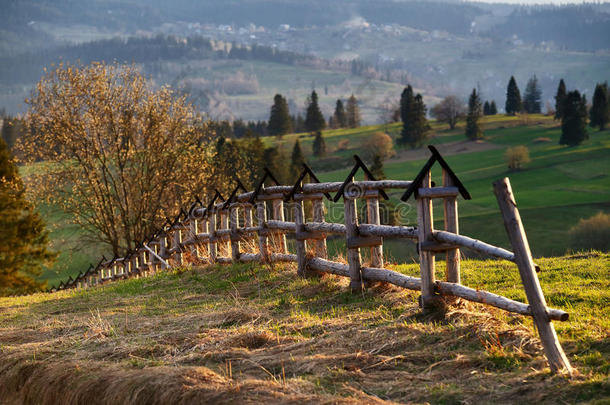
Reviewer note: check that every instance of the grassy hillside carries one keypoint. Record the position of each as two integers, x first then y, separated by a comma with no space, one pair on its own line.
560,186
247,333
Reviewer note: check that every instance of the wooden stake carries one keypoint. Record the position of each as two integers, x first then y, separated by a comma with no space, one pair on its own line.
318,216
261,216
278,215
301,246
523,257
372,207
426,258
353,254
233,224
451,225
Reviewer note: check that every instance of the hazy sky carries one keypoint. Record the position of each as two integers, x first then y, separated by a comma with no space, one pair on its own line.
538,1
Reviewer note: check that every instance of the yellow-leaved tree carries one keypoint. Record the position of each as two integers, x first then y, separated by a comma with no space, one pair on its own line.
120,156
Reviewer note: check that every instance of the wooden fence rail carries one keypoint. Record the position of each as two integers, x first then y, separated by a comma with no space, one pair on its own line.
251,227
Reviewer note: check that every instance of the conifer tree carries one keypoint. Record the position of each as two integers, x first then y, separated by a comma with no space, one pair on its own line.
352,113
314,120
280,122
574,119
560,99
600,110
319,145
493,110
486,108
275,163
473,129
532,98
296,163
414,122
513,98
339,117
23,239
377,167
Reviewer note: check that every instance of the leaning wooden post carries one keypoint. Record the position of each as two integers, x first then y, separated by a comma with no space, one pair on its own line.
426,258
233,224
354,260
177,244
163,249
523,258
318,216
278,215
372,207
300,243
451,225
193,236
263,245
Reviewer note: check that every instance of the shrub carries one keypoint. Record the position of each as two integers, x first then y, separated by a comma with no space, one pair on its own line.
591,233
378,144
517,156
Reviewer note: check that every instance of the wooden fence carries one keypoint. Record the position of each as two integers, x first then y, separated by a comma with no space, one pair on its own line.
250,227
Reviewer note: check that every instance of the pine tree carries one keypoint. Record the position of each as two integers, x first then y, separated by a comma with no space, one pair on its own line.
414,122
280,122
513,98
23,239
377,167
560,99
574,119
314,120
532,98
473,129
339,117
493,110
352,113
296,163
319,145
600,110
486,108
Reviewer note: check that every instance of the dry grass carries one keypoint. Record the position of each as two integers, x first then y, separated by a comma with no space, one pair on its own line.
246,334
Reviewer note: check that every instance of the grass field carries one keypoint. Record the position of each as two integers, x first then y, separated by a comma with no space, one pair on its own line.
557,188
251,334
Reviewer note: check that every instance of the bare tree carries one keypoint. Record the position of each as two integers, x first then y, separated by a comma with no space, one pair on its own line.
120,157
450,110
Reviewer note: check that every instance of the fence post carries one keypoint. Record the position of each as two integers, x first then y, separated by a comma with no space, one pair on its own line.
301,243
372,207
261,217
233,224
163,249
224,224
318,216
247,209
426,258
451,225
278,215
523,257
212,245
354,260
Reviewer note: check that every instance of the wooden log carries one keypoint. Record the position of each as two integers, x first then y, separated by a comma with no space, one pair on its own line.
372,208
425,227
261,217
557,359
353,254
301,244
250,257
438,192
233,224
388,231
450,207
488,298
326,227
436,247
474,244
284,257
283,225
392,277
318,216
224,260
363,241
328,266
